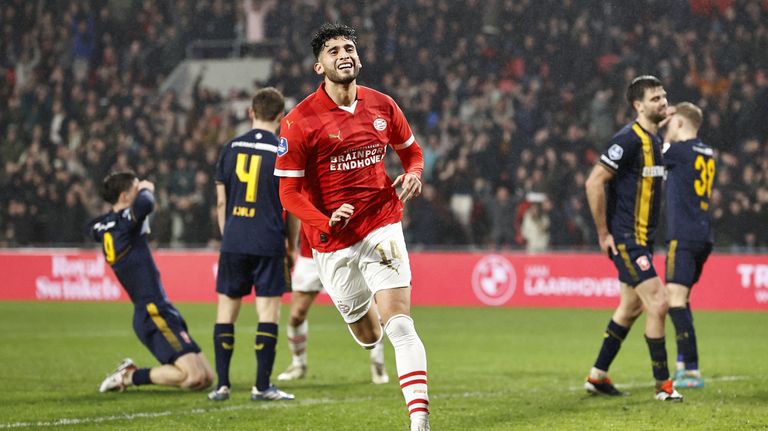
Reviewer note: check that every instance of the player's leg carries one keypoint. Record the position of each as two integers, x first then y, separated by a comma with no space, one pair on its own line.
385,265
305,285
378,371
233,281
410,355
227,311
270,279
654,297
298,332
685,262
630,307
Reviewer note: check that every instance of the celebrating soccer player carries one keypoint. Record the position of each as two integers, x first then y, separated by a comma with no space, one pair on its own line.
631,170
253,247
305,285
158,324
331,157
690,174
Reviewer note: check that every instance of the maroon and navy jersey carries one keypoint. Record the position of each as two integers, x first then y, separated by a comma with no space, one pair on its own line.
123,238
690,174
254,221
634,194
339,151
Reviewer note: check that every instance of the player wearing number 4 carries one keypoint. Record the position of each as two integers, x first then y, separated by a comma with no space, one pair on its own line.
331,160
690,173
158,324
254,247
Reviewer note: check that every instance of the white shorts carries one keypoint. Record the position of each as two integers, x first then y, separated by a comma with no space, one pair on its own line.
305,277
352,275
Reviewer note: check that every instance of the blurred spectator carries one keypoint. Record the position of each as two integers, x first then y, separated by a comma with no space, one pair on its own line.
508,99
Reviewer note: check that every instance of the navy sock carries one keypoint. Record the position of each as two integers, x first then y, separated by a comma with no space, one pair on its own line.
614,335
686,336
658,351
223,347
141,377
266,340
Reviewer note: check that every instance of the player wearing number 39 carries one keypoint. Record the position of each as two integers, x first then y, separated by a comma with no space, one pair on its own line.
253,245
331,160
158,324
690,174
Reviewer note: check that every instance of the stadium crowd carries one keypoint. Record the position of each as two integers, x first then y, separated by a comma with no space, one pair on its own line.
511,100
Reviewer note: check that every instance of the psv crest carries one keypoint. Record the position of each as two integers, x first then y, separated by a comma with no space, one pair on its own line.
380,124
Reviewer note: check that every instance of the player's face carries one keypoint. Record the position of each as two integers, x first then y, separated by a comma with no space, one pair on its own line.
339,61
672,128
654,104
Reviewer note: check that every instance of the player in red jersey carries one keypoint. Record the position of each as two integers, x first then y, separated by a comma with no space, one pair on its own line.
305,285
331,157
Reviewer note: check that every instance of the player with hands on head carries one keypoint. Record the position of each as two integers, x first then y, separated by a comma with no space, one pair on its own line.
158,324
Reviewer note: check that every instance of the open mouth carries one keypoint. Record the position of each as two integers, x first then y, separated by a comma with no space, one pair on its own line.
345,66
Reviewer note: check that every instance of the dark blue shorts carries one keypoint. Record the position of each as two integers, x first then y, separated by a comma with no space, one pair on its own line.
162,329
238,273
685,260
634,262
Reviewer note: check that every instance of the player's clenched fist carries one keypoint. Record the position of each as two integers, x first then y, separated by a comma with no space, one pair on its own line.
343,213
411,186
144,184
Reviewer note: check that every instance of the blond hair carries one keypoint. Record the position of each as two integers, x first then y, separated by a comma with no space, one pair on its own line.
690,112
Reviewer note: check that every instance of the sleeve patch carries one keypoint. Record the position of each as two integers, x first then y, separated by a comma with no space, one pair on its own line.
282,147
615,152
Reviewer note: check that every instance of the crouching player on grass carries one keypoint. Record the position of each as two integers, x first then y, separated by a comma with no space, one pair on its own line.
158,324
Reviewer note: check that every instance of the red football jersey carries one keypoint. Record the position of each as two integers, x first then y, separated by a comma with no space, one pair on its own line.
305,250
340,153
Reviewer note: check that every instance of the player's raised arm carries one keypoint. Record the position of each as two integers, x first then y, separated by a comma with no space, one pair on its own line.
595,188
145,200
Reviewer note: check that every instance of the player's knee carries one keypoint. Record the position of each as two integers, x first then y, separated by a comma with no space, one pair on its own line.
367,339
400,328
196,380
298,316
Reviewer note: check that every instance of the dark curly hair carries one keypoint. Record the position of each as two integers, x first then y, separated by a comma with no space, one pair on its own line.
329,31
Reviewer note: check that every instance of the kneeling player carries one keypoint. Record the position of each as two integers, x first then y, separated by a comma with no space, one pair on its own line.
157,323
305,285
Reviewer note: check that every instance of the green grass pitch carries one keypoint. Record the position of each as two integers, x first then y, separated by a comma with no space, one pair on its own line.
489,369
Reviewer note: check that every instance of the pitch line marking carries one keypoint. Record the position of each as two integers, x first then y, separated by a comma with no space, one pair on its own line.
306,402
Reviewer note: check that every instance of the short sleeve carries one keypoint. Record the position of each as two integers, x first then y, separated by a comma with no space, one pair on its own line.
291,150
400,135
620,153
221,172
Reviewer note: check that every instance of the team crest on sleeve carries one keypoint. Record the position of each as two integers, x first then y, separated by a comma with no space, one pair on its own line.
380,124
282,146
615,152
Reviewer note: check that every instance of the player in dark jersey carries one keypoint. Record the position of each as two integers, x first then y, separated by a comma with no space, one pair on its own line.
631,170
158,324
253,246
690,174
